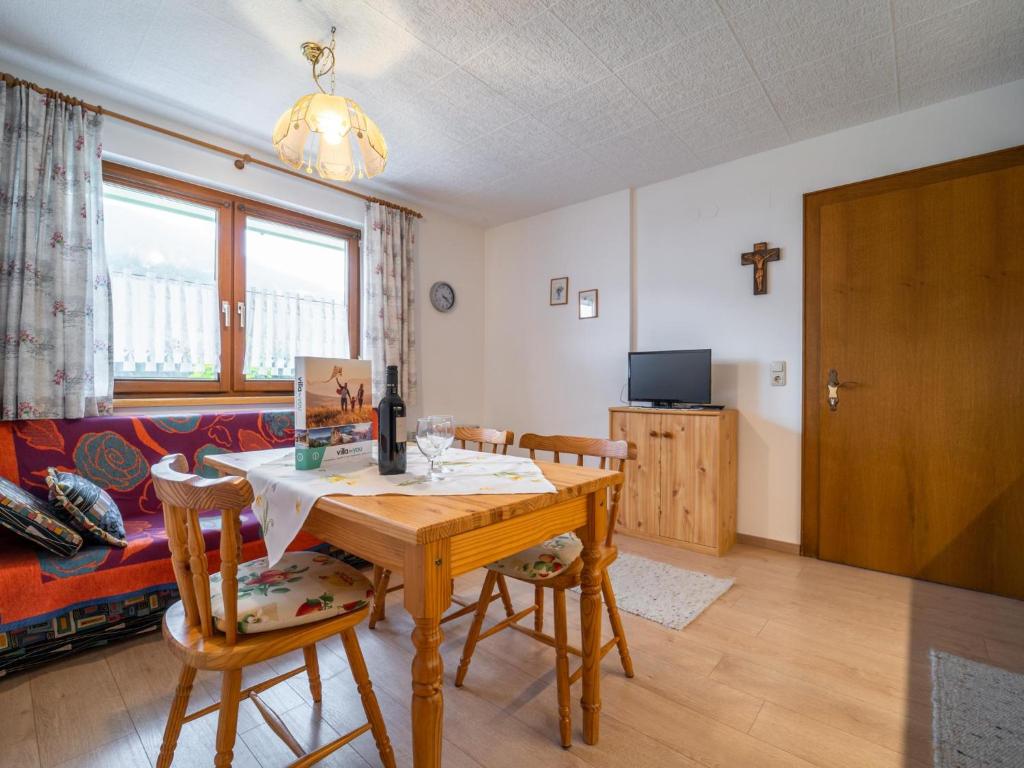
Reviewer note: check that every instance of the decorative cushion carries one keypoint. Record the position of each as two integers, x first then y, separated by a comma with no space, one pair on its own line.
29,517
543,561
302,588
85,507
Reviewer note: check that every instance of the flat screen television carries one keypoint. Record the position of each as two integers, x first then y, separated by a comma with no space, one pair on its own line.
677,377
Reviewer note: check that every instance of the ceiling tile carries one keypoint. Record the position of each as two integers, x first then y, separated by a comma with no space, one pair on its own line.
281,28
638,153
725,118
460,106
844,116
692,71
552,106
784,34
962,39
521,144
459,29
412,143
73,34
748,145
538,64
857,74
912,11
977,78
623,31
598,111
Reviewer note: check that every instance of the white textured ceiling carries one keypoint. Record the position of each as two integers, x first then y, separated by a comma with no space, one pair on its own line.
497,109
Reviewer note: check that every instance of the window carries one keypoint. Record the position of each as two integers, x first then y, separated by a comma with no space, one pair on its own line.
216,294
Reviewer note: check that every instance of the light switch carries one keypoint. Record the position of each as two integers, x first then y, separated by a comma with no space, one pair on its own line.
777,370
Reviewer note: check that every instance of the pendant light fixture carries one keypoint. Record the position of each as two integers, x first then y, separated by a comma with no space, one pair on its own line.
329,133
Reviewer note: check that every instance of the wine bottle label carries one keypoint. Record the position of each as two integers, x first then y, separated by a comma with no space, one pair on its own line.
400,434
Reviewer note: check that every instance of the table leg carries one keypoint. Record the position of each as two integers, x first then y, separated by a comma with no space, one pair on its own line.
593,535
427,595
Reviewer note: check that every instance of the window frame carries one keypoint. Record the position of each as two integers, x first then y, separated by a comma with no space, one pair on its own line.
232,213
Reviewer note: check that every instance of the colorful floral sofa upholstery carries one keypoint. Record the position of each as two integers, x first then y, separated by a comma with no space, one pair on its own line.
52,606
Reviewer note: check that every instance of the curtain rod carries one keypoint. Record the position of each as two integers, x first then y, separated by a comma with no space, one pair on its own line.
241,159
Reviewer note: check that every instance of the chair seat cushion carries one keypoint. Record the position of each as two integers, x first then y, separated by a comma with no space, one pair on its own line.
303,587
544,561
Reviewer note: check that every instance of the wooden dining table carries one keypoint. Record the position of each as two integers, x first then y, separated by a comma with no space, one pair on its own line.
432,539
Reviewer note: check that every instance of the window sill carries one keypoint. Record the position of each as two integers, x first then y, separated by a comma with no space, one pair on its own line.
185,401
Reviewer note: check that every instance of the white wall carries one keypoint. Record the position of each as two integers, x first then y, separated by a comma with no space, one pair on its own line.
547,370
692,292
451,345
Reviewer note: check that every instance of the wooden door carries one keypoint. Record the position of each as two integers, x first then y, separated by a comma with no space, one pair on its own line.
915,296
642,492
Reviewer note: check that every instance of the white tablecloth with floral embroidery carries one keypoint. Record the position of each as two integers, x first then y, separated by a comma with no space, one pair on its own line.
285,495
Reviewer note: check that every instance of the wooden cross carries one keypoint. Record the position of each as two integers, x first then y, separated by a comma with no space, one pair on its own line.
760,257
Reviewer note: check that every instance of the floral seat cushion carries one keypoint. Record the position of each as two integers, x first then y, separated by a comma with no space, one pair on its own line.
543,561
303,587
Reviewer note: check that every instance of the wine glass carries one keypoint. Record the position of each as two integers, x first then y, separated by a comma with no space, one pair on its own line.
430,442
446,427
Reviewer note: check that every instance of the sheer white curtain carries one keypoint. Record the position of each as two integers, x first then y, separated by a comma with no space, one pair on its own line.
280,326
164,325
171,327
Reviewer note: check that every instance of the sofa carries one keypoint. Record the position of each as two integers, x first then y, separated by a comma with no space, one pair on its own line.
52,606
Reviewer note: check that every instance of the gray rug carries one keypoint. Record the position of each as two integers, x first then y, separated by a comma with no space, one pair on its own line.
977,714
663,593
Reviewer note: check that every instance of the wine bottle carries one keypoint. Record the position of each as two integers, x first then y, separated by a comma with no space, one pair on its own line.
391,428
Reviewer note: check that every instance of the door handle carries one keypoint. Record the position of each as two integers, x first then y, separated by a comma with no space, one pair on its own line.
225,307
833,386
241,314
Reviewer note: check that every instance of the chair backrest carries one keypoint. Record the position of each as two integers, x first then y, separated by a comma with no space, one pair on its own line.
183,497
613,454
493,439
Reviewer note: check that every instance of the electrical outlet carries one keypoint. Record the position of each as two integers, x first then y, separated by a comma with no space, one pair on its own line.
777,373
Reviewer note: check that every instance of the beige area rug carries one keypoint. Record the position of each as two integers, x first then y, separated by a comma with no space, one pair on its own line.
977,714
673,597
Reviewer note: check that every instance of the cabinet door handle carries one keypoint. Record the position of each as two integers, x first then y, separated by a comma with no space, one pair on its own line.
667,434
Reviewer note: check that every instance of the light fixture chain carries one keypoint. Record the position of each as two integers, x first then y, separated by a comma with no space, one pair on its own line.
333,59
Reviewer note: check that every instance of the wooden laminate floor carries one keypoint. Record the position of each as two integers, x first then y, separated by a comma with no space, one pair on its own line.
802,663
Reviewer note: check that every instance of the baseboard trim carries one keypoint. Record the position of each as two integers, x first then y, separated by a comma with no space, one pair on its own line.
779,546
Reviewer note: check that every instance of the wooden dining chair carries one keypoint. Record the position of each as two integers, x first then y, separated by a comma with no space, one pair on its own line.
487,441
557,565
247,613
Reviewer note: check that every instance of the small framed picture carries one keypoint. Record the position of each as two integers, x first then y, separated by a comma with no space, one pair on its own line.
588,304
559,291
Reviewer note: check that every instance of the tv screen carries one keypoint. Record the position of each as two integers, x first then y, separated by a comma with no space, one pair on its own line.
679,376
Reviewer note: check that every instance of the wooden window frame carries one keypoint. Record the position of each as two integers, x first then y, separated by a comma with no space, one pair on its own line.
232,212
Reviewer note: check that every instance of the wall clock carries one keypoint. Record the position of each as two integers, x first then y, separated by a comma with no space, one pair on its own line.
442,296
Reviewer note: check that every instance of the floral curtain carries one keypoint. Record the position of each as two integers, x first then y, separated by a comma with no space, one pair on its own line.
389,266
55,311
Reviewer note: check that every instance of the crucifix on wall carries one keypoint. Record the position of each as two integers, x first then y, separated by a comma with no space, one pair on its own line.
760,257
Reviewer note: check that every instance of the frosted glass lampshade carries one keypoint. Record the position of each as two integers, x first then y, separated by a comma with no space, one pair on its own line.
333,135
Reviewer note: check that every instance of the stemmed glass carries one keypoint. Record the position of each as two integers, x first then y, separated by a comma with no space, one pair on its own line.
446,426
431,441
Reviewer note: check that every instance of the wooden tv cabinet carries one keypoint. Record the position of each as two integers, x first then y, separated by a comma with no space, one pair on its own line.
682,488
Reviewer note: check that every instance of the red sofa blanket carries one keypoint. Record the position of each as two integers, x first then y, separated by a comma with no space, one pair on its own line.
52,606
